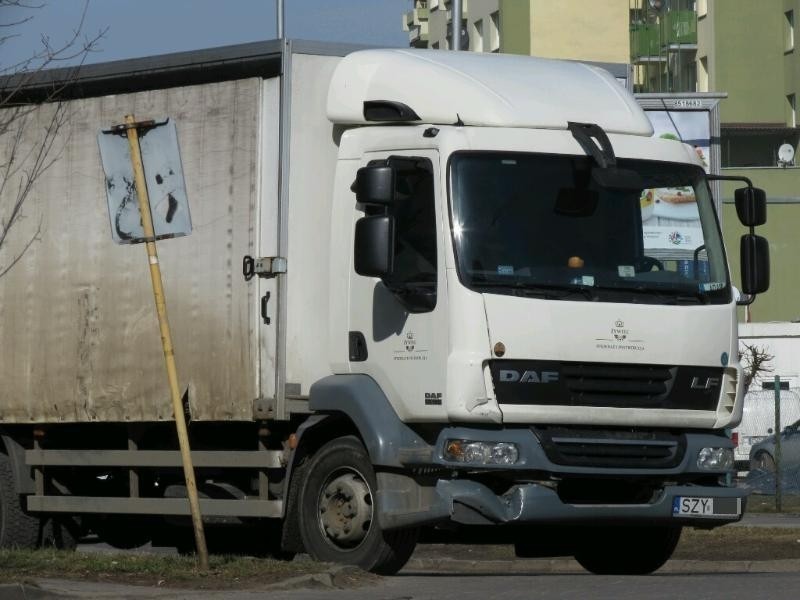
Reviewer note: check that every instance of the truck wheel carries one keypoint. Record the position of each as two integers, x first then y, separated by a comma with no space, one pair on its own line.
627,550
18,529
338,517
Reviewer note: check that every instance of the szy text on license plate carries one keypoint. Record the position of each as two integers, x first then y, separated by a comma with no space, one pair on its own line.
685,505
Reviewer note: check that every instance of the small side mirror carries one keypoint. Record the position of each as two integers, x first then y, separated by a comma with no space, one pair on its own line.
754,252
375,185
751,206
374,246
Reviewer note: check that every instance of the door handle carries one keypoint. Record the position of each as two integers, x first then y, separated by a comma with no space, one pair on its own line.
264,301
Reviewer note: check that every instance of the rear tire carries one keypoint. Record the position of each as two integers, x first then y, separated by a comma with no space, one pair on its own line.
338,515
18,529
627,550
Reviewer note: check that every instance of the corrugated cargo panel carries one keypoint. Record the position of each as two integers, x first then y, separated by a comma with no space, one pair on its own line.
79,333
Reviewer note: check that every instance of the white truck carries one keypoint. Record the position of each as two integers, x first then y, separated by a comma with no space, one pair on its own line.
450,324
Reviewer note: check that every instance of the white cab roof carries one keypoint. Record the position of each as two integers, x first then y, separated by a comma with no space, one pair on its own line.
492,90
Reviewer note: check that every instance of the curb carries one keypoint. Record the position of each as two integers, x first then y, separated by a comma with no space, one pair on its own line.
26,591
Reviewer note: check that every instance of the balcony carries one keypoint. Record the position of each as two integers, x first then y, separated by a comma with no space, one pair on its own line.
675,31
680,27
645,42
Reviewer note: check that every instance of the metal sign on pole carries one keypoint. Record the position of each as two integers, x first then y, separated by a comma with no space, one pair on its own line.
113,158
280,18
456,20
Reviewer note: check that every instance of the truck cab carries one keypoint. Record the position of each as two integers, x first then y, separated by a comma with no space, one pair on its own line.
510,326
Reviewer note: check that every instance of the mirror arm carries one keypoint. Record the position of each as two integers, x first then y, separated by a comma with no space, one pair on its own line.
730,178
746,300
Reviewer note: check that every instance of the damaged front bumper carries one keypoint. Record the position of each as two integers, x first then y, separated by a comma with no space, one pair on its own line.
405,504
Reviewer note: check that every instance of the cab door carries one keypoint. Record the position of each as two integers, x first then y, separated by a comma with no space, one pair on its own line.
399,321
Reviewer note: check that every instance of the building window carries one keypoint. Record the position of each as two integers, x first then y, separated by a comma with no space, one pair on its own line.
791,121
788,30
753,146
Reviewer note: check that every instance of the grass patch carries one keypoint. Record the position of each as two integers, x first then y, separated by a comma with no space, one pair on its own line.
739,543
151,570
762,503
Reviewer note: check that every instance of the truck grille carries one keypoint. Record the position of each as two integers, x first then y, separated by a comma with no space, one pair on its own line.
630,386
610,448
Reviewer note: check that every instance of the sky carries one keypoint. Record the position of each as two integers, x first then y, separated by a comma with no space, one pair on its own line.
135,28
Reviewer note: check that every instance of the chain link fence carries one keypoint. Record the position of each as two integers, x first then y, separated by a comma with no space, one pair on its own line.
770,466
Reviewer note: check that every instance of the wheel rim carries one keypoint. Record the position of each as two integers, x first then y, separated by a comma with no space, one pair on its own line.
765,462
344,509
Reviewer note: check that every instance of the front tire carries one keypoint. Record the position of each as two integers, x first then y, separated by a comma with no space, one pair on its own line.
627,550
338,514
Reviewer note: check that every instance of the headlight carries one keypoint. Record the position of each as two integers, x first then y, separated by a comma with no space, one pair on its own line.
482,453
715,459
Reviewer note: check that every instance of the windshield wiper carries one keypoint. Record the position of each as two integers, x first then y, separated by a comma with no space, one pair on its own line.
668,295
540,290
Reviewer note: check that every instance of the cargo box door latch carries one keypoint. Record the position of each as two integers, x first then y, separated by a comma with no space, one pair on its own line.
263,267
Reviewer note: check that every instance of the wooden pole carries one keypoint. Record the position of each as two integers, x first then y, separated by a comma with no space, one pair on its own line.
778,454
166,338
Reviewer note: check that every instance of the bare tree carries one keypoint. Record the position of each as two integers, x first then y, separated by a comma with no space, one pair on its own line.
755,361
22,164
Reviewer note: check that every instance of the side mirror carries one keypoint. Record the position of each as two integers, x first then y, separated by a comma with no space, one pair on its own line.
374,246
375,185
754,252
751,206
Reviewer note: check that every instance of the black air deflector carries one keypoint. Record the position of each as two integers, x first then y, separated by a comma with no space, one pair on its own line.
388,111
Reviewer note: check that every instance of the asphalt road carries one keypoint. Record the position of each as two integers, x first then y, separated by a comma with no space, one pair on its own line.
503,584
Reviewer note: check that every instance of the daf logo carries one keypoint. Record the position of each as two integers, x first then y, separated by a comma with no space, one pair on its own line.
509,376
699,384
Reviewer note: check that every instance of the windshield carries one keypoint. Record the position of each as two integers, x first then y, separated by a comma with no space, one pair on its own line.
541,225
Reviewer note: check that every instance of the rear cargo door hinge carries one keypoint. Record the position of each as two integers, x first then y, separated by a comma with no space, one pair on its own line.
269,266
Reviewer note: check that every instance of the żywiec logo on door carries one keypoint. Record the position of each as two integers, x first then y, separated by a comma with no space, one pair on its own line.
409,348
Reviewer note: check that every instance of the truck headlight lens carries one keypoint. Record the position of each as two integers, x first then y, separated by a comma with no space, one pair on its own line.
482,453
715,459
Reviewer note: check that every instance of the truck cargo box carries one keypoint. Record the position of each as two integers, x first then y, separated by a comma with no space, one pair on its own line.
80,336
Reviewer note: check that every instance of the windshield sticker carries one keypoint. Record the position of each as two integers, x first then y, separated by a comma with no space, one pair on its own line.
584,280
505,270
626,271
711,286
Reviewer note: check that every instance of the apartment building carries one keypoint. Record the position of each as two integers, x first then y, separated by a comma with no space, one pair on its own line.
596,31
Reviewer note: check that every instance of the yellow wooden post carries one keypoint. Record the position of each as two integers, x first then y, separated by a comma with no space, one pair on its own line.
166,337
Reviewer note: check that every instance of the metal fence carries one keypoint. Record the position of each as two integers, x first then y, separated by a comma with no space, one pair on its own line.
769,464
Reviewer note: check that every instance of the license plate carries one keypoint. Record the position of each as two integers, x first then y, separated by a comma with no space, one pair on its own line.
689,506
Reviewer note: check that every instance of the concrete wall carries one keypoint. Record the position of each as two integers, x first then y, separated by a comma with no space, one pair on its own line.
580,30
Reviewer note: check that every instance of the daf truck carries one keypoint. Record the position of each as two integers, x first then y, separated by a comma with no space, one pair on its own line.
418,302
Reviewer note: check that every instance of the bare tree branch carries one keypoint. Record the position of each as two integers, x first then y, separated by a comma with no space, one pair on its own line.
755,361
22,163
